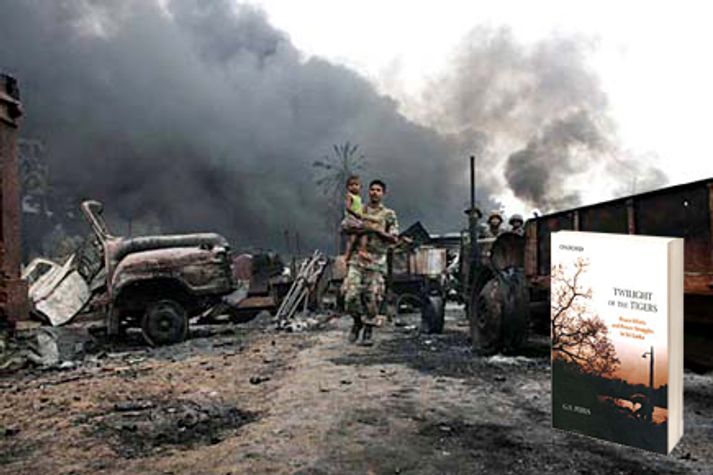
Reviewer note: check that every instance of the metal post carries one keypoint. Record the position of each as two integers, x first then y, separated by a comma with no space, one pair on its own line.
473,218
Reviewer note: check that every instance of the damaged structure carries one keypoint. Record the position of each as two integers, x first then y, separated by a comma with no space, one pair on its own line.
13,290
154,282
157,283
505,280
684,211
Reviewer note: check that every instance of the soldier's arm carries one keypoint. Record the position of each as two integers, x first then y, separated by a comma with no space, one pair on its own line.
392,227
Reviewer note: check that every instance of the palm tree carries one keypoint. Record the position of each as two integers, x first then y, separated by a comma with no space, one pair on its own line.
332,172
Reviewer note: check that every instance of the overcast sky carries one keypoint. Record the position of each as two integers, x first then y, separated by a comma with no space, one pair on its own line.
563,103
651,57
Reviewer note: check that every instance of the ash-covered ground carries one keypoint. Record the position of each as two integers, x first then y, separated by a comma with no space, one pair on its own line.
246,399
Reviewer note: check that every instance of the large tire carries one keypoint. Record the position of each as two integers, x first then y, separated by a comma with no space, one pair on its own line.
499,314
433,314
164,322
485,318
517,315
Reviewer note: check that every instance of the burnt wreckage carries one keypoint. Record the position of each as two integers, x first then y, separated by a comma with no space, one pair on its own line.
153,282
507,278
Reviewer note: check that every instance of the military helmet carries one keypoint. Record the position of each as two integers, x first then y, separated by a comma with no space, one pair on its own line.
495,214
474,210
516,217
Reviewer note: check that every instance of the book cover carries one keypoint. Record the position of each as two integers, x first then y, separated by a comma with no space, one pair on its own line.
617,346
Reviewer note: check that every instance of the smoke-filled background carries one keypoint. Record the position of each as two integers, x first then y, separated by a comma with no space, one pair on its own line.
540,118
202,116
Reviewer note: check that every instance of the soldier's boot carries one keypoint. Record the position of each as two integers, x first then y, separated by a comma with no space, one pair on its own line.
354,332
366,336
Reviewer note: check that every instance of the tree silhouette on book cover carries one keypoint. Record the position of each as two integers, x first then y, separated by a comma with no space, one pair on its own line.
594,392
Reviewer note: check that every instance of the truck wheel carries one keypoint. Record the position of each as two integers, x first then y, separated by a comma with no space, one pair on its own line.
165,322
499,314
517,313
485,318
433,314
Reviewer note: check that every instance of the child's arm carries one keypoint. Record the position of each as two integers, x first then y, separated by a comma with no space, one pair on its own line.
348,201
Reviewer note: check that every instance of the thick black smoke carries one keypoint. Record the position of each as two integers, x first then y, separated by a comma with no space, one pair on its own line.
542,114
201,116
564,147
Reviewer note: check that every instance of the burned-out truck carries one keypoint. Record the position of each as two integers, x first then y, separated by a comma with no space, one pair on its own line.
416,277
684,211
153,282
496,292
510,276
493,285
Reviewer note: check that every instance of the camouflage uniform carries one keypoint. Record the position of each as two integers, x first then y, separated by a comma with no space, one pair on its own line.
488,233
364,283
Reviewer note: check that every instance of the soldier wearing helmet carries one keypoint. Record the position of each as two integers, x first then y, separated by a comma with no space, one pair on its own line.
517,224
495,219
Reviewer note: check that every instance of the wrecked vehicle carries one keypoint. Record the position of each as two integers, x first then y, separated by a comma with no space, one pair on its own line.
497,295
262,282
57,292
493,285
153,282
416,278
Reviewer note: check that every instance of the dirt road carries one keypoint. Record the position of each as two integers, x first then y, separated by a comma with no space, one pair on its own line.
236,400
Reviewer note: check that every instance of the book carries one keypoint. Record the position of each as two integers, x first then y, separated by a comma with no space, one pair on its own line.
617,337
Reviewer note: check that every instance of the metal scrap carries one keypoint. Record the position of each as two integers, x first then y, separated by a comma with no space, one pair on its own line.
302,288
57,345
57,291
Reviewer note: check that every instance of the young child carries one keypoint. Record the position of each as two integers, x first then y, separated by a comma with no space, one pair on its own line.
355,224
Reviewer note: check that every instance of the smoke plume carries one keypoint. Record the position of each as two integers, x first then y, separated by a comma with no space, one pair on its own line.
542,115
201,116
204,117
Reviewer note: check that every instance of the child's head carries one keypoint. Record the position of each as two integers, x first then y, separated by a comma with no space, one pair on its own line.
354,184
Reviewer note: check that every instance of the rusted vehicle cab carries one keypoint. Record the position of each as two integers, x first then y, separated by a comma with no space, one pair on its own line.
417,278
680,211
158,282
